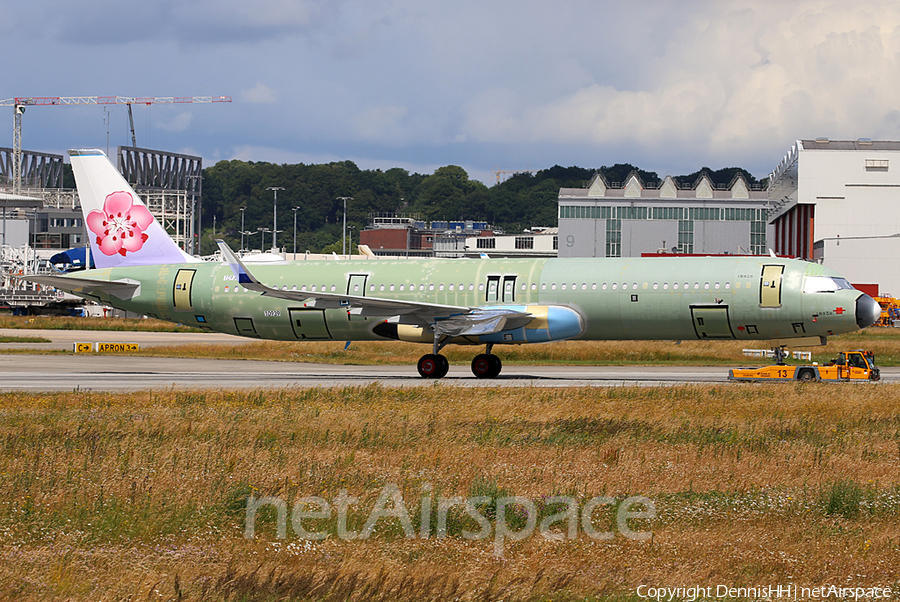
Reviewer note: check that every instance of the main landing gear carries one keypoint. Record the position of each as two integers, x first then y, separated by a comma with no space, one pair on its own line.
434,365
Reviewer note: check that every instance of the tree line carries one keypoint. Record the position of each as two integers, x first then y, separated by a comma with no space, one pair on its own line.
524,200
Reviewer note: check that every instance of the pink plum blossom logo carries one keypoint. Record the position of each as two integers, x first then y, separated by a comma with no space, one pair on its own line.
120,226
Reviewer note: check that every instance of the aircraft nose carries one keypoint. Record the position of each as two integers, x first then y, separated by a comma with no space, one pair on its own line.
867,311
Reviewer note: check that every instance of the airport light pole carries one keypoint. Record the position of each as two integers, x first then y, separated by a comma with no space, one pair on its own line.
295,231
344,236
242,229
275,230
351,227
262,237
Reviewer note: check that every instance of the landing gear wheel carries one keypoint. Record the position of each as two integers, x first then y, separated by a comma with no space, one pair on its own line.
486,366
433,366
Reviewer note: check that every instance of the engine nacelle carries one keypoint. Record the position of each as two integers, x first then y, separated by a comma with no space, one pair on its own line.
550,323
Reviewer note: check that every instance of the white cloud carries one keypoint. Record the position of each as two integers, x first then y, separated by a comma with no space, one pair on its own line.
259,94
178,123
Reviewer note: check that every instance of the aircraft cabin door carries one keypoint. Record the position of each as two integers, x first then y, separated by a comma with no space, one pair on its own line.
181,297
509,289
770,286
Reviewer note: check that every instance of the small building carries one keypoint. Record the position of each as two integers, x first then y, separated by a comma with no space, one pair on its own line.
635,218
391,235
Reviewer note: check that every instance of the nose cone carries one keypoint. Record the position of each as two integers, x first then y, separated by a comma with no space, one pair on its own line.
867,311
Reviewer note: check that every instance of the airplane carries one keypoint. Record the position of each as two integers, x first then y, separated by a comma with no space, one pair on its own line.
449,301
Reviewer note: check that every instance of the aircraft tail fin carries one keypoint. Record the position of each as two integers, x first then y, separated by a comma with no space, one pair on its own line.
121,230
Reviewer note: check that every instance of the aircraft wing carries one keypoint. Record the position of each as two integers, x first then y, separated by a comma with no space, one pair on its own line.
122,289
449,320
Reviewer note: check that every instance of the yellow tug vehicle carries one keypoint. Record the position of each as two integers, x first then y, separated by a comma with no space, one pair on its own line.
856,365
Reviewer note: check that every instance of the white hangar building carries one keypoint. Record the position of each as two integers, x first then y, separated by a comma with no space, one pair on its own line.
628,220
838,202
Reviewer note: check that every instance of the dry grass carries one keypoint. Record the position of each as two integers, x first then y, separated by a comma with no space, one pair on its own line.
110,324
109,497
884,343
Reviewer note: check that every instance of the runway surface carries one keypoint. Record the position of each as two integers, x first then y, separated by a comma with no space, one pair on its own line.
26,372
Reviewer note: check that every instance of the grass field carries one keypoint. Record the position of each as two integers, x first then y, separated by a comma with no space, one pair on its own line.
143,496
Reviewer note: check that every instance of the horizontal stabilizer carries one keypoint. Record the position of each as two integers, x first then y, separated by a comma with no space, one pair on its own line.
121,289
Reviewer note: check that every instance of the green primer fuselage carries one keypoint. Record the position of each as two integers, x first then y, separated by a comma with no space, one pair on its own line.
753,298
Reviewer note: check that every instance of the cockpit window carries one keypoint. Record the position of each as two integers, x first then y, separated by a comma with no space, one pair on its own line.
825,284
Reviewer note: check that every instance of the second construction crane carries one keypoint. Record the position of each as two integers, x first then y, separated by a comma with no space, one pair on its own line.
19,105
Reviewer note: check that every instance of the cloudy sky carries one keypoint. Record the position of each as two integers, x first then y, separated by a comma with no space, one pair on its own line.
666,85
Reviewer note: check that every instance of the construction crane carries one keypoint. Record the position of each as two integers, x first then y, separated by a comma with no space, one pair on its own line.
19,105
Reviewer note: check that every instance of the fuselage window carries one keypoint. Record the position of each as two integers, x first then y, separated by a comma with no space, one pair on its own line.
381,288
402,287
392,288
615,286
686,286
727,285
524,286
543,286
371,288
706,286
431,287
696,285
303,288
574,286
461,287
481,286
421,287
655,285
717,286
675,286
534,286
594,286
563,286
450,287
441,287
634,286
314,288
603,286
333,287
471,287
293,288
665,286
553,287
